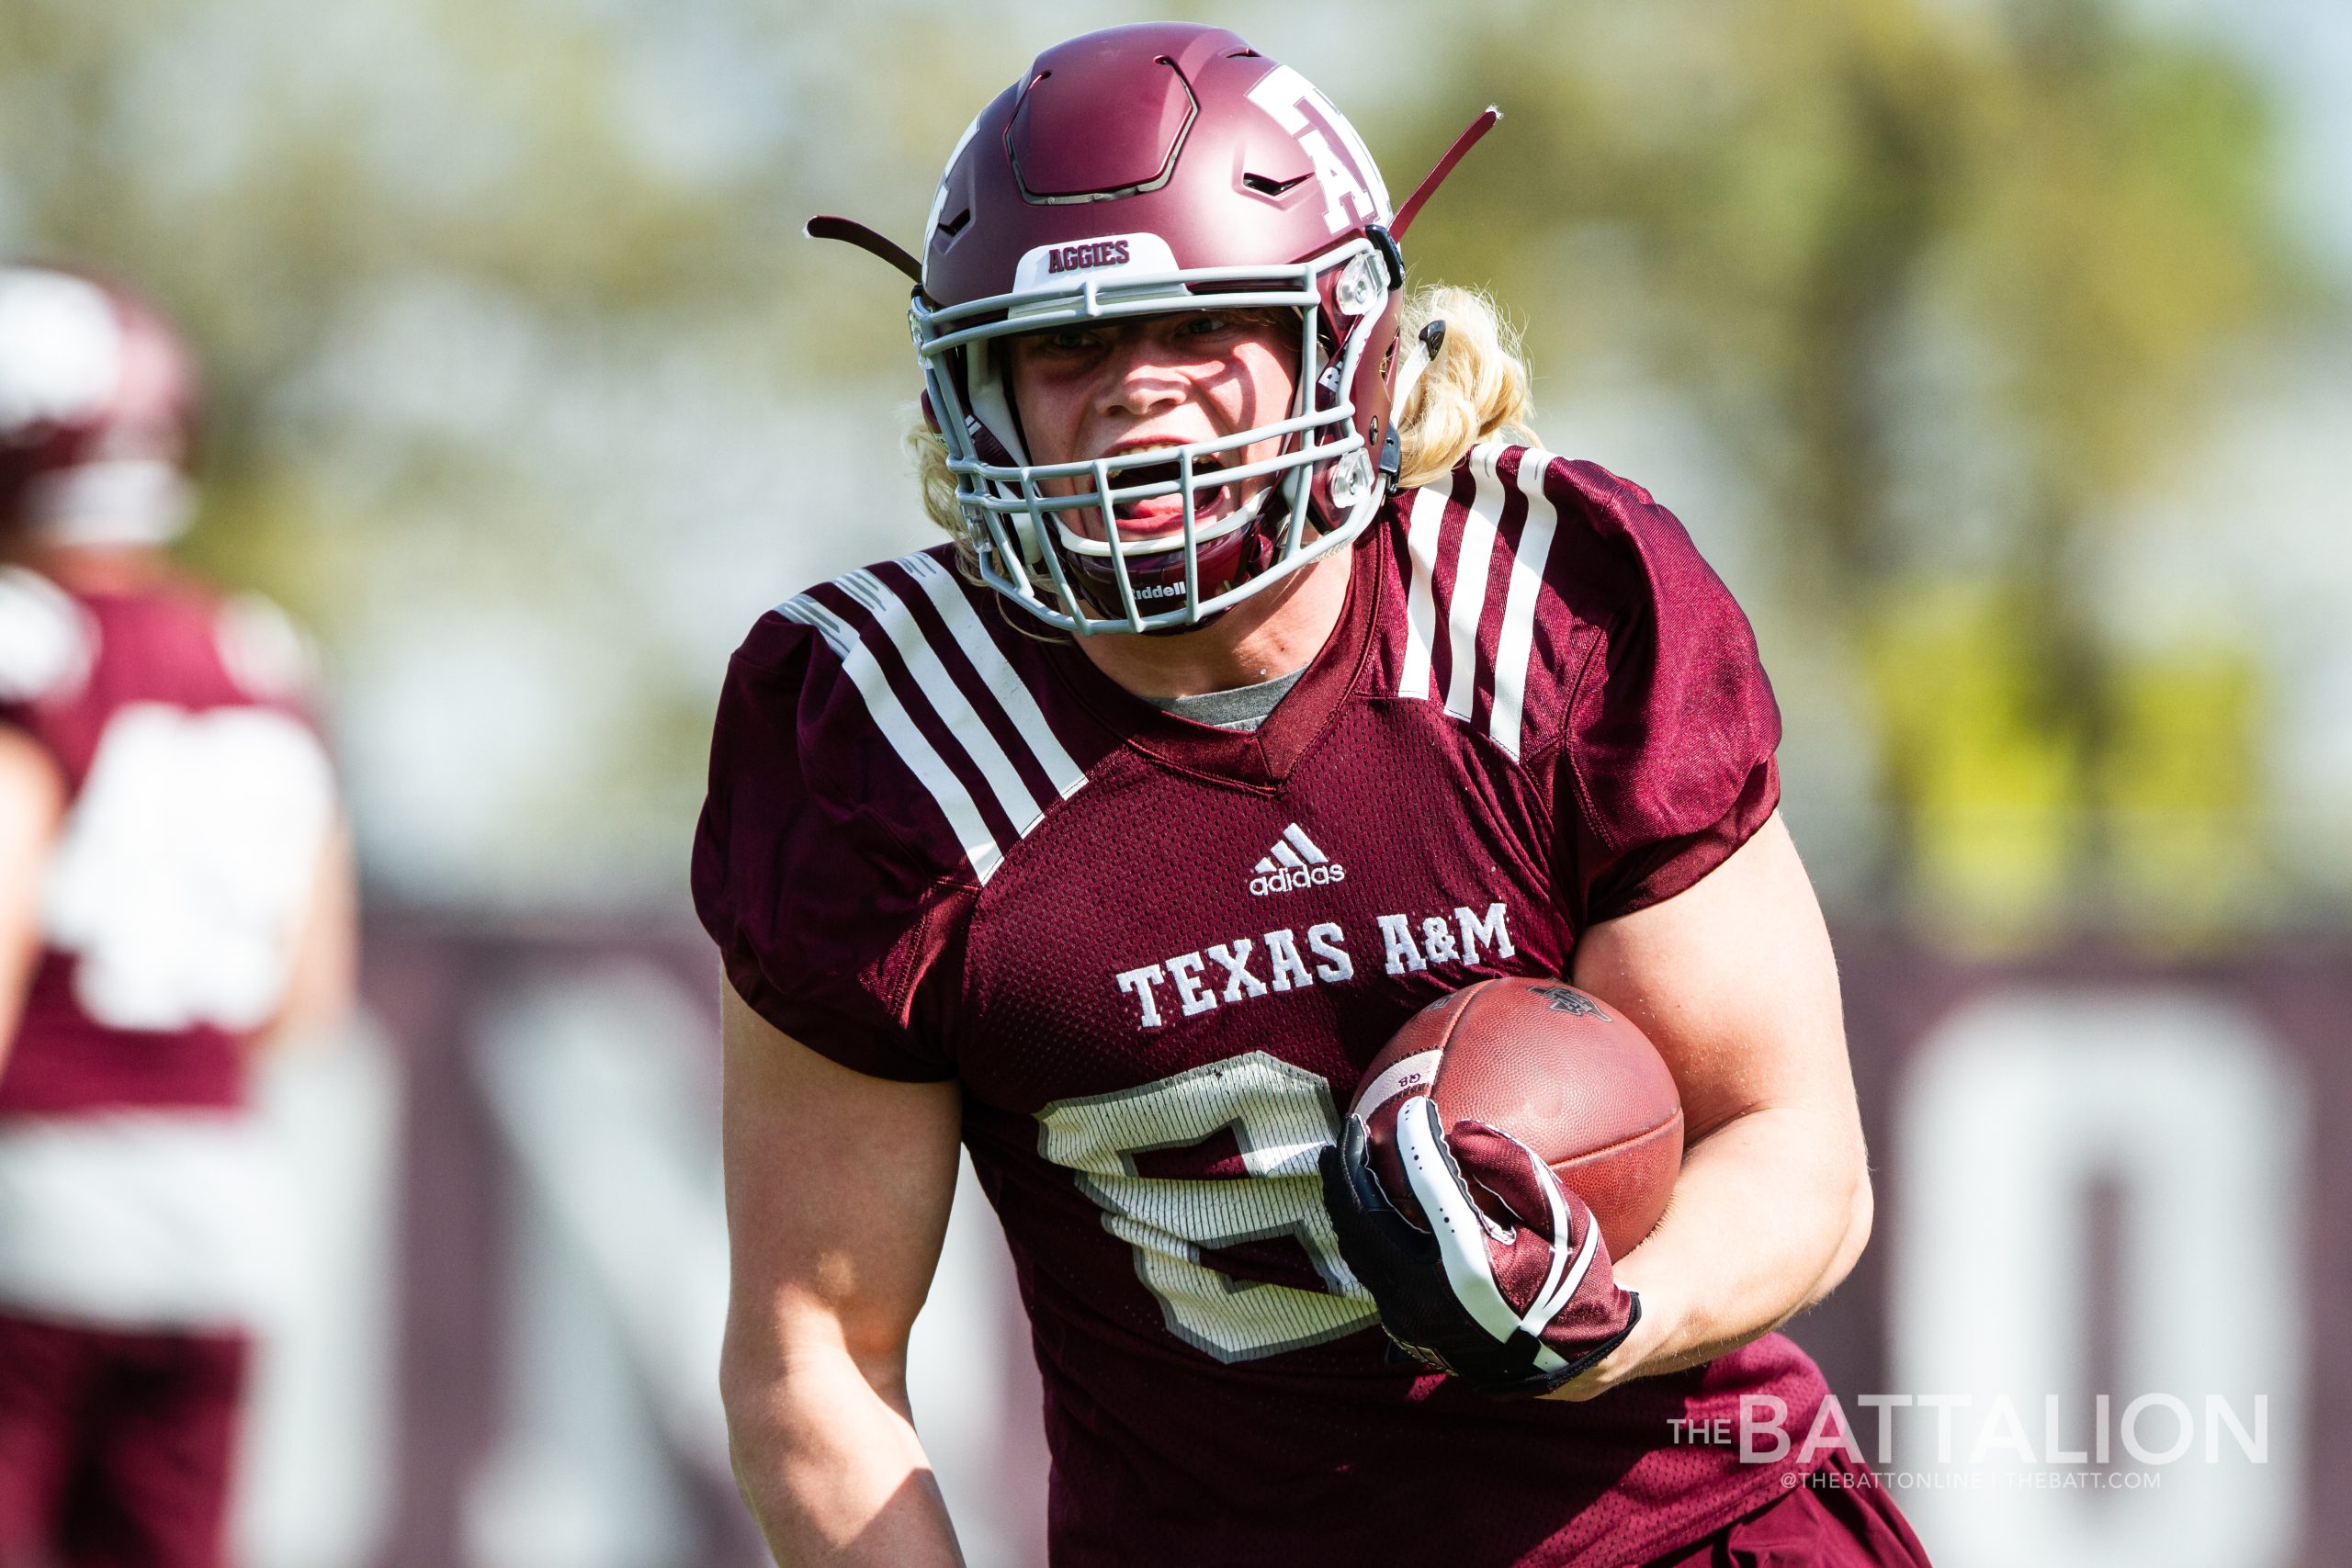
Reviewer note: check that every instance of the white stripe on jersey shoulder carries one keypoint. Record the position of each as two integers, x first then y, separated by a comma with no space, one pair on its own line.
47,641
895,621
1473,563
891,718
1515,650
1004,684
1430,503
898,623
1474,552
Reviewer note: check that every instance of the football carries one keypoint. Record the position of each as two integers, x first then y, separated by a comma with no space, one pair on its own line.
1555,1069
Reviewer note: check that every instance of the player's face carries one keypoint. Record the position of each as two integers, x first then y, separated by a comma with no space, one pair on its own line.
1112,388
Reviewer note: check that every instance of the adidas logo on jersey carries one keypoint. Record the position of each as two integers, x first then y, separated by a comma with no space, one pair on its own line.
1294,863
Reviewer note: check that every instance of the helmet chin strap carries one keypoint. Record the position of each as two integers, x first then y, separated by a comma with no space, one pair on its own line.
1262,512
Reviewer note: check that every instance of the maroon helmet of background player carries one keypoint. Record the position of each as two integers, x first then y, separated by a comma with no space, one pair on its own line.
1130,172
97,403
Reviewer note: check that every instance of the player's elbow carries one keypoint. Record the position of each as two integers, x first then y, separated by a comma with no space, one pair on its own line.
1864,1210
1861,1211
764,1371
749,1380
769,1374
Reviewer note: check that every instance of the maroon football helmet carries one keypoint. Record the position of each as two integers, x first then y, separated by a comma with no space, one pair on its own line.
98,400
1134,171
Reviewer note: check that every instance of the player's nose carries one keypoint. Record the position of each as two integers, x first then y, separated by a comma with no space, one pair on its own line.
1141,375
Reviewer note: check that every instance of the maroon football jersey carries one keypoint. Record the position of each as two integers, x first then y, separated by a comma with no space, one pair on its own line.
198,795
1157,956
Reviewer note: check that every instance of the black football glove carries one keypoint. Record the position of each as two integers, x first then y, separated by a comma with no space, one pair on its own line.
1509,1286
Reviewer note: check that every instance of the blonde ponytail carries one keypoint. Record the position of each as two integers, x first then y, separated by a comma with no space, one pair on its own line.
1474,390
928,450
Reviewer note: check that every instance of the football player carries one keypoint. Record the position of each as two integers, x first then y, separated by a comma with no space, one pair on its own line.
174,889
1273,684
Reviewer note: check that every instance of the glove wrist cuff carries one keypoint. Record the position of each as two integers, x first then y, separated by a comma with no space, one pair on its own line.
1541,1383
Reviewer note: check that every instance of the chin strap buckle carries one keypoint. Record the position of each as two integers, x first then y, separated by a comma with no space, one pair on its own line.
1392,454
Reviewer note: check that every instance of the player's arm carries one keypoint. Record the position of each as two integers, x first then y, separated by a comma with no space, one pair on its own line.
324,972
33,808
838,1186
1735,982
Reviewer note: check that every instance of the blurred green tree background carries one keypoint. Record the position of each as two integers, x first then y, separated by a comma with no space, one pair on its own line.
1951,285
1926,315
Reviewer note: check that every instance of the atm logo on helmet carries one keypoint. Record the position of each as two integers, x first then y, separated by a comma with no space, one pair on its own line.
1294,863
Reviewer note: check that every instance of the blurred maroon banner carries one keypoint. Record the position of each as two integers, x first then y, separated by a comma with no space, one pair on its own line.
2107,1183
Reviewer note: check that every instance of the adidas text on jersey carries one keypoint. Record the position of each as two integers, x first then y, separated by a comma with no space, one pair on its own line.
1294,863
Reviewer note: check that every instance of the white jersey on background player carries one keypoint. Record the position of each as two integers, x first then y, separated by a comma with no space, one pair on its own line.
174,890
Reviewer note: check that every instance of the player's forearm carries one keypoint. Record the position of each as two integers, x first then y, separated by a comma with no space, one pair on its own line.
1770,1213
827,1458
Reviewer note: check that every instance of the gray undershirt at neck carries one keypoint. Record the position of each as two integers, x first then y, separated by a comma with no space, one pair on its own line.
1244,708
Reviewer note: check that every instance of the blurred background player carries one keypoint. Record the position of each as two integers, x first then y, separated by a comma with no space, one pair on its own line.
174,890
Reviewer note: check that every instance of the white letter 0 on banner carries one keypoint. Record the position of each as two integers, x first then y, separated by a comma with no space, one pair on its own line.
2018,1106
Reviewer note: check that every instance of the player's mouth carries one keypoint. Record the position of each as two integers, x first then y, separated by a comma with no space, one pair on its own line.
1161,513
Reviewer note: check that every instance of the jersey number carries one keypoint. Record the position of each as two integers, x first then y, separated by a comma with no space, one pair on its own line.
185,865
1280,1115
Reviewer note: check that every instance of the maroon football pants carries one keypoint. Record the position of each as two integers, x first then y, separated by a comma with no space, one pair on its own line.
1840,1516
114,1446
